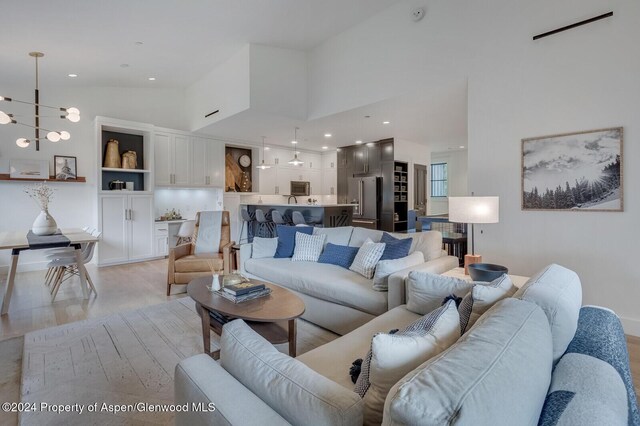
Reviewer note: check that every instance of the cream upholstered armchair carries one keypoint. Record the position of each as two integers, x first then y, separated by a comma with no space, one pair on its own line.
185,264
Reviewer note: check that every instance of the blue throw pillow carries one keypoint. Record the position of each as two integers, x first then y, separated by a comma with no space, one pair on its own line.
395,248
287,239
338,255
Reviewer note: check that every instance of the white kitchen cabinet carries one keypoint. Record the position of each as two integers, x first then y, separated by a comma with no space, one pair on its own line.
141,227
172,159
311,160
182,160
315,181
161,239
207,162
215,163
163,159
329,160
188,161
329,181
126,222
199,166
268,181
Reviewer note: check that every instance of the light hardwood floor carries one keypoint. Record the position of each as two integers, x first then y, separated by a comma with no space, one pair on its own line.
120,288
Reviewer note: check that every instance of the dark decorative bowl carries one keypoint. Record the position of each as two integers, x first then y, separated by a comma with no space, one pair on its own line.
486,272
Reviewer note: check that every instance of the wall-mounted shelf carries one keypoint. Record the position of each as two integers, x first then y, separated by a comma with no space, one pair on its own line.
7,177
115,169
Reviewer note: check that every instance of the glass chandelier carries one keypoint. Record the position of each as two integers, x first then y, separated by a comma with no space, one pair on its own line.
72,114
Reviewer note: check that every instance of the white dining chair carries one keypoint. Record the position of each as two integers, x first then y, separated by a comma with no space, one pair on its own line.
65,267
185,233
55,253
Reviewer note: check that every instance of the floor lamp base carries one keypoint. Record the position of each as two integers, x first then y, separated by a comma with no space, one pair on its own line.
469,259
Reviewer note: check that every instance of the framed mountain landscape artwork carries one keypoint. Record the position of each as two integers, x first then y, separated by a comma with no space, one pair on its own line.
574,171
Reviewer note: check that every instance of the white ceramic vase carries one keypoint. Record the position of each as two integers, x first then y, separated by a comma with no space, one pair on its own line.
44,224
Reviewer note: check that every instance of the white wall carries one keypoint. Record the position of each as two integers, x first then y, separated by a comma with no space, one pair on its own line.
74,204
457,179
279,81
582,79
226,88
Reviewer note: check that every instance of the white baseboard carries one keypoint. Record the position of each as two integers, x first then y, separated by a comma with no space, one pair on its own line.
631,326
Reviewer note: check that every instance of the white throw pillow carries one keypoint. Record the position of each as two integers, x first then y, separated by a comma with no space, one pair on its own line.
426,291
308,247
390,266
367,258
392,356
264,247
481,297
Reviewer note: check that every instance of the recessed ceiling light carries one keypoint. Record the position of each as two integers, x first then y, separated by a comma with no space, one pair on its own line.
325,147
358,142
139,43
294,142
386,122
152,79
124,65
72,75
461,147
367,116
327,135
266,148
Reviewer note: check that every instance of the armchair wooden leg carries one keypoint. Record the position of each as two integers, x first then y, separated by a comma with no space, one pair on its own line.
168,289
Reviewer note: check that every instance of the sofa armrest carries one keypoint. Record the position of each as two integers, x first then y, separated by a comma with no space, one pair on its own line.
397,281
245,253
226,256
201,380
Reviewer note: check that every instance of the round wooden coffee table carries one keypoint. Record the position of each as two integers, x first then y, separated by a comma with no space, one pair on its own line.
273,316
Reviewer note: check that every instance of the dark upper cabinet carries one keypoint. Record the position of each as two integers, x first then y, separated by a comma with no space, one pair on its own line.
373,158
386,150
366,159
360,161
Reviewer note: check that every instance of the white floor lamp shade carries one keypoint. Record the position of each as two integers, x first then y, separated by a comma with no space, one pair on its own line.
474,210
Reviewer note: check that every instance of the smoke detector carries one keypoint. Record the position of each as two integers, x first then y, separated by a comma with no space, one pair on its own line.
417,14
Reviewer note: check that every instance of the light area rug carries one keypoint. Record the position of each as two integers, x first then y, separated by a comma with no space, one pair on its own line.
126,358
10,372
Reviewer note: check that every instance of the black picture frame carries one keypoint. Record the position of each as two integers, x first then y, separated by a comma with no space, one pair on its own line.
65,167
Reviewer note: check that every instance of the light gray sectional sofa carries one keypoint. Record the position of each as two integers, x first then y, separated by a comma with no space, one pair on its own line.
336,298
535,358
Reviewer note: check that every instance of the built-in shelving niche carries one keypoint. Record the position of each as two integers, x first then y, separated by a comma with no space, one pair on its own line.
126,142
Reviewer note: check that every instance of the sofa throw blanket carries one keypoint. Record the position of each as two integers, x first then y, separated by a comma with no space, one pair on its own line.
208,238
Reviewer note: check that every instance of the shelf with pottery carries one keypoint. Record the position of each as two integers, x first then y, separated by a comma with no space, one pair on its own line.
7,177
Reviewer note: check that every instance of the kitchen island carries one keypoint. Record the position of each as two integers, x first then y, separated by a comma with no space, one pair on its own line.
325,215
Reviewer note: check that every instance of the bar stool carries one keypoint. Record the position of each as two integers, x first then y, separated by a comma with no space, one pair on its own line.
248,219
277,218
298,219
265,226
185,233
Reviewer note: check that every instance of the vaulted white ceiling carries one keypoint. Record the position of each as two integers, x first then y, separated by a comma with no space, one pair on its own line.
182,40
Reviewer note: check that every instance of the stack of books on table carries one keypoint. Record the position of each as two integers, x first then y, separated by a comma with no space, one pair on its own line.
243,292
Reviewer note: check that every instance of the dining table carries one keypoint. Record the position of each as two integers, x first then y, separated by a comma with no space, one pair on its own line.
19,241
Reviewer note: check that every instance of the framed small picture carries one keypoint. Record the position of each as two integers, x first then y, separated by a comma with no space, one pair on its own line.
29,169
66,168
579,171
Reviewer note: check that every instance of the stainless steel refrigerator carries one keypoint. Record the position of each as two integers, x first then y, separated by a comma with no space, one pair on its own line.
365,192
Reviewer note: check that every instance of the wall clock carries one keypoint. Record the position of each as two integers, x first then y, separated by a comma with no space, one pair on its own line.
244,160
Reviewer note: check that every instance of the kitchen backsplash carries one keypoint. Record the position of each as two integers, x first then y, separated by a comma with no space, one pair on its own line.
188,201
